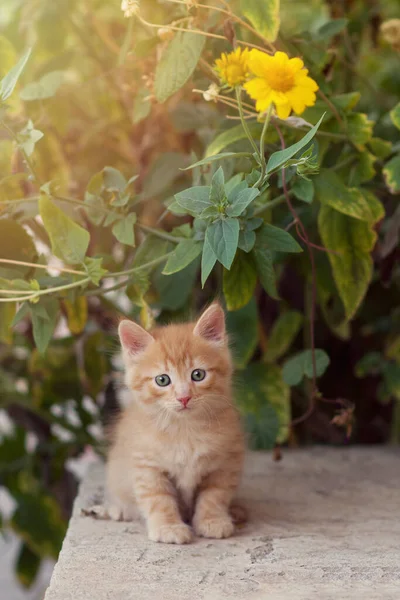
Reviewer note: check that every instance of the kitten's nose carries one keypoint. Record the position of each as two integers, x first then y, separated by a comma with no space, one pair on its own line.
184,400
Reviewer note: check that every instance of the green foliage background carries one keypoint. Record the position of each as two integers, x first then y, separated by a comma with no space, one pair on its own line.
97,134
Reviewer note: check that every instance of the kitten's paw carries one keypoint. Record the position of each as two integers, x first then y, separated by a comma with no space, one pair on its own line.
217,527
178,533
97,511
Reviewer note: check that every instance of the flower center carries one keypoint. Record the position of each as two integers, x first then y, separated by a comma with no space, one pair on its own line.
280,80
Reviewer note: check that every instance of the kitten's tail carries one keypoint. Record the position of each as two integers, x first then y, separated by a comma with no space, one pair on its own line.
238,513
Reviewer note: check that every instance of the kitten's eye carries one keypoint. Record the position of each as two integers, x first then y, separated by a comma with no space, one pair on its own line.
163,380
198,375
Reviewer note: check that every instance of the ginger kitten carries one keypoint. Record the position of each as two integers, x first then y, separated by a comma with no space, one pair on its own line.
177,450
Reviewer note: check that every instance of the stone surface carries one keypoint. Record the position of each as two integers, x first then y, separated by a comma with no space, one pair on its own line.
324,525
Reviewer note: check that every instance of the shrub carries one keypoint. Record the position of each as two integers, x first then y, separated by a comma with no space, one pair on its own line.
138,178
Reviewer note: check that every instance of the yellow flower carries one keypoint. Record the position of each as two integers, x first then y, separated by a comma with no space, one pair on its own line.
282,81
233,68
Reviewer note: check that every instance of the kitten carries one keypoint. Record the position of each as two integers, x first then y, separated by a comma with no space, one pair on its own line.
177,451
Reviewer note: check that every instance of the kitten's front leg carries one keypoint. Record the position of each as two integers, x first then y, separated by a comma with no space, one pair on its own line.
212,518
157,500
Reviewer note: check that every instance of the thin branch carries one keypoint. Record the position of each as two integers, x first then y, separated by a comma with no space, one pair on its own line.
300,227
9,261
230,14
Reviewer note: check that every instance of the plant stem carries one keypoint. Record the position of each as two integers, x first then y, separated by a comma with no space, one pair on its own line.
161,234
9,261
262,146
152,263
172,28
58,288
244,124
126,43
275,202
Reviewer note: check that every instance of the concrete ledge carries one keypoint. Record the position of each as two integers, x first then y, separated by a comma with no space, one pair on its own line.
325,524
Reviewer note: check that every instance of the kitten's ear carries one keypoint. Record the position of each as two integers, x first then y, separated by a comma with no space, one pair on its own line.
134,339
211,325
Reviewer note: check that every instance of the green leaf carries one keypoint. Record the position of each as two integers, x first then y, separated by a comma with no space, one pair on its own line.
7,315
163,172
94,269
265,270
303,189
223,237
9,82
46,87
28,137
241,202
352,241
276,239
38,521
371,363
183,255
8,56
151,249
77,314
380,148
208,260
242,327
210,159
364,169
27,565
301,365
278,393
69,241
395,115
263,15
44,325
15,244
247,239
195,199
93,205
175,209
230,136
217,191
283,334
262,426
240,281
141,106
391,173
346,102
124,229
331,191
330,29
359,129
177,64
264,399
113,180
23,311
138,288
233,183
375,206
174,290
95,363
278,159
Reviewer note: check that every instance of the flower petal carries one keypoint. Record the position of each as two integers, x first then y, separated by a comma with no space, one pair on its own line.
259,62
257,88
283,110
296,64
301,79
